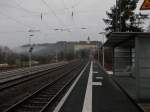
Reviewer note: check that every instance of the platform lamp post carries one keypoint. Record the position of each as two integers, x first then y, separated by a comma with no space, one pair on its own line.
98,51
103,49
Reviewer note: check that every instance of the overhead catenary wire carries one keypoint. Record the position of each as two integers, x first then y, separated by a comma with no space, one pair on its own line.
27,10
68,11
41,14
33,12
65,6
53,12
15,20
18,21
8,32
38,14
78,3
73,19
24,9
72,14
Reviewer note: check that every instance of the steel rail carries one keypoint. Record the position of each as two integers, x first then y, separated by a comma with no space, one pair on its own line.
66,73
60,91
20,80
26,71
23,79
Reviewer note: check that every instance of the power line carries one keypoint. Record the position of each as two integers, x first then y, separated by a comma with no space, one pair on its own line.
28,11
77,4
66,7
15,20
24,9
39,14
53,12
6,32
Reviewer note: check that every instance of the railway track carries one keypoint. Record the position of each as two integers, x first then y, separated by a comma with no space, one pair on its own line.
17,81
18,73
11,81
46,97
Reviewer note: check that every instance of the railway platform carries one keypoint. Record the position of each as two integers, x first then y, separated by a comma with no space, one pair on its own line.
94,91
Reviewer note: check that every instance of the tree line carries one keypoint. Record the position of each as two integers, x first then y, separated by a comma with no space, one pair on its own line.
11,58
123,18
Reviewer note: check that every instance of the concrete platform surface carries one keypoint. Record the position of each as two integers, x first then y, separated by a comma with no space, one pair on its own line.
94,91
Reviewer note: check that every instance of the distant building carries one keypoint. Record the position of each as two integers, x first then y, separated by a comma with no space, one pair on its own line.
61,46
81,45
78,47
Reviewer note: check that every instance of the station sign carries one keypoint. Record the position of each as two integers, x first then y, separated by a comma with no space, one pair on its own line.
145,5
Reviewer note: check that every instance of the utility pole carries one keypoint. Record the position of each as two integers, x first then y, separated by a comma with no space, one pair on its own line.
98,51
30,51
56,57
103,48
30,45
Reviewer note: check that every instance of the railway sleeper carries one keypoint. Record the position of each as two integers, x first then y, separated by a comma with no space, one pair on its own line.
40,104
39,99
28,109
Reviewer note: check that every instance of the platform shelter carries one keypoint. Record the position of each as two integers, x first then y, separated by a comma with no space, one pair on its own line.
131,62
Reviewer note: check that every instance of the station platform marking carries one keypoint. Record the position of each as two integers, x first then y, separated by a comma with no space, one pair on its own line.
101,78
87,106
60,104
97,83
95,72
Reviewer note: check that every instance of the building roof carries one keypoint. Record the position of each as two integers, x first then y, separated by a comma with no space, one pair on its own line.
124,39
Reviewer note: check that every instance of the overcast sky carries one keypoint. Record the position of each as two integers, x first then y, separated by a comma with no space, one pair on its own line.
19,16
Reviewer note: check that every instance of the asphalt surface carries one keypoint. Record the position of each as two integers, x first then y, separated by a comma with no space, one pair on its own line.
74,102
106,95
